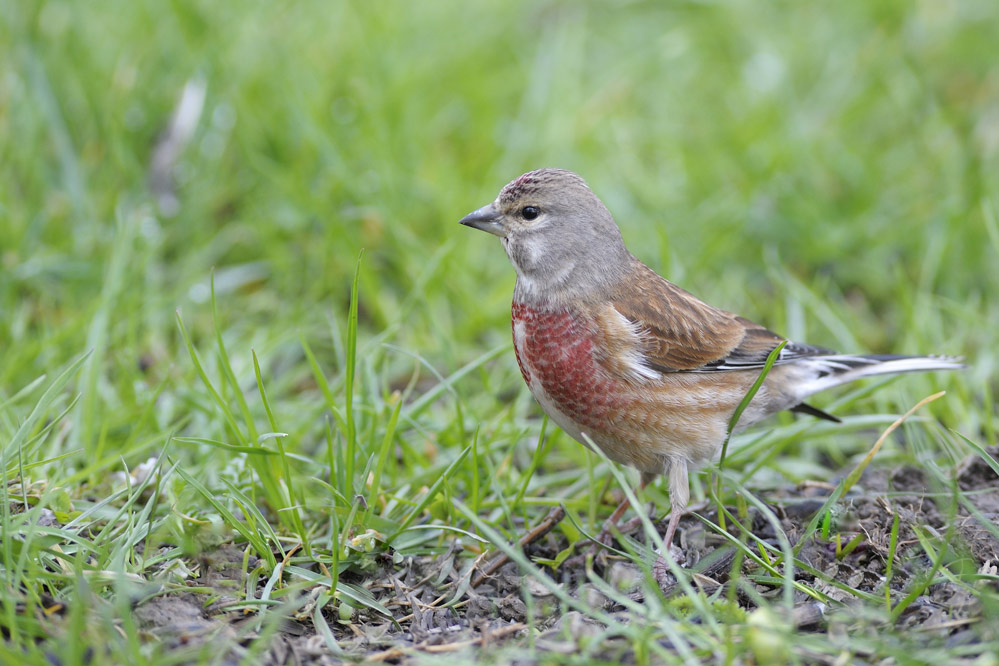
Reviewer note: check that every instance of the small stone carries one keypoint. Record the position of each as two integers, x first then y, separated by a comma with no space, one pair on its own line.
578,625
591,596
537,589
624,576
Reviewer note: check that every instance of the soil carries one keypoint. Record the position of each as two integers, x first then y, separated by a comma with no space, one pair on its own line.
500,609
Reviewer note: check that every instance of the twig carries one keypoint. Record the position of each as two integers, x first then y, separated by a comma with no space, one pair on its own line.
492,635
553,518
397,652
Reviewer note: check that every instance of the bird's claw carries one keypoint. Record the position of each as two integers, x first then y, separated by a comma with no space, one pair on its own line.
661,569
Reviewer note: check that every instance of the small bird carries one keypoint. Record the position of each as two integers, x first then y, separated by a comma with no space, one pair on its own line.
618,356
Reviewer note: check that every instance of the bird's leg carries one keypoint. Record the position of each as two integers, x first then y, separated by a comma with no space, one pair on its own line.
679,496
674,520
607,533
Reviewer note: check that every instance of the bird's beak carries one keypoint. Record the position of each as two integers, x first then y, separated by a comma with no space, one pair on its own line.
486,219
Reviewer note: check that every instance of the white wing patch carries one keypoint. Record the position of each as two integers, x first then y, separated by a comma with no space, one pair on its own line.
632,357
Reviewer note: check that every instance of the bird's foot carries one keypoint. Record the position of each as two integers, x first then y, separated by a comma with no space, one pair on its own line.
661,570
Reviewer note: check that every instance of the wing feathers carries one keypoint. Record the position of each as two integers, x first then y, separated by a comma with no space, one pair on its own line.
679,331
650,327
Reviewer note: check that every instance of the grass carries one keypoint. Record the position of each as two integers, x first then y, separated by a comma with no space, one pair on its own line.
308,359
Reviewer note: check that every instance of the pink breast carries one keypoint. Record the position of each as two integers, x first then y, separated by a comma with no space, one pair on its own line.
556,352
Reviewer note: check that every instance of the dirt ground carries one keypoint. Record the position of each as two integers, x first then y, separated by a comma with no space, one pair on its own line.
495,613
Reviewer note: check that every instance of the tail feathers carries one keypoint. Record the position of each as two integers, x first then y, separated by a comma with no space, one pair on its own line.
828,371
805,408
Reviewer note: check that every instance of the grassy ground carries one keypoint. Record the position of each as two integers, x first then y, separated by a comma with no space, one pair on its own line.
212,452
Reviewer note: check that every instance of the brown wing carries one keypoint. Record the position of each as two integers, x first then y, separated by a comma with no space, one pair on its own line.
682,333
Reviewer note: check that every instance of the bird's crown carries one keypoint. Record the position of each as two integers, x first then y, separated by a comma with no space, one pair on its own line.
539,180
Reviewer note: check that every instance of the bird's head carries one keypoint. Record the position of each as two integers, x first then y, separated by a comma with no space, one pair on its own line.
559,236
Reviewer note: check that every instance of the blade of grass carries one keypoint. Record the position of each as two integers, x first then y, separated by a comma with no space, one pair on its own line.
226,366
383,452
258,544
317,372
249,450
16,444
350,369
854,476
431,493
357,595
535,461
890,565
222,405
980,450
286,481
428,398
750,394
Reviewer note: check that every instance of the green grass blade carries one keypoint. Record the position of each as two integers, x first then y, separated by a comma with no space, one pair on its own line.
258,544
431,494
350,369
750,394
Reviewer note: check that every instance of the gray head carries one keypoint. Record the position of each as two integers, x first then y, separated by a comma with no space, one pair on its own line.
561,239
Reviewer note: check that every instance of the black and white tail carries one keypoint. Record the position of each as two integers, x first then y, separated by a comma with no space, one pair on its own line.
823,372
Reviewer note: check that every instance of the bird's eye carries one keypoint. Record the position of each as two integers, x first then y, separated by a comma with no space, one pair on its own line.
530,212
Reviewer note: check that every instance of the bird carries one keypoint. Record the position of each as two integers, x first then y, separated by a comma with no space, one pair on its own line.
624,360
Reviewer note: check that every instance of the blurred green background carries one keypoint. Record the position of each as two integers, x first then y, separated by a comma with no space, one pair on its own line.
829,170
